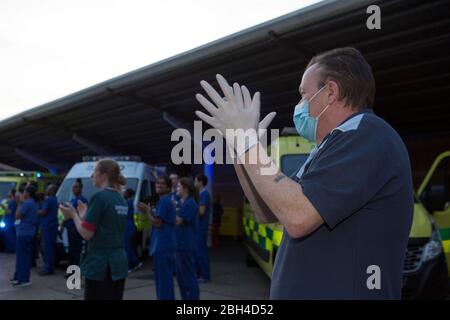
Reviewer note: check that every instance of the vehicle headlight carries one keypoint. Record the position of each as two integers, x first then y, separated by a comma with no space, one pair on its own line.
434,247
2,225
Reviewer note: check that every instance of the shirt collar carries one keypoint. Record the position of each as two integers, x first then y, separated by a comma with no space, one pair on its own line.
365,110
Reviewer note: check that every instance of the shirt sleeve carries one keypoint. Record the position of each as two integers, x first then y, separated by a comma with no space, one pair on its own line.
188,213
12,207
167,211
46,205
345,176
94,213
130,209
24,209
204,199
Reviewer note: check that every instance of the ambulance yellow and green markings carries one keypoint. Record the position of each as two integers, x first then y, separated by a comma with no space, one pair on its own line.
263,240
442,219
262,234
440,170
141,222
3,213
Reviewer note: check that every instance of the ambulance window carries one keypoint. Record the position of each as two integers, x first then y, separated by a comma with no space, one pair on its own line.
291,163
153,195
5,188
145,191
436,195
152,188
65,190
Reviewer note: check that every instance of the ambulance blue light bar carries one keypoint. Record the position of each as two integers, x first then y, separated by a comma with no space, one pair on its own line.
117,158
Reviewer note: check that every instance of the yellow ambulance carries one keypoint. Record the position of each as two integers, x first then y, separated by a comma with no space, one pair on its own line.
425,270
13,179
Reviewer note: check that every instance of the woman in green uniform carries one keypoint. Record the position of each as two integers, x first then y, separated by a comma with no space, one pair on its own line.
102,224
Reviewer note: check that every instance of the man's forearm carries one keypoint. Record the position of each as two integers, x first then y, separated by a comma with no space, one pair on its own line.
85,234
282,195
262,212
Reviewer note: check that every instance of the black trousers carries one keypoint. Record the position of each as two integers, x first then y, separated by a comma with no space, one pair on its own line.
104,290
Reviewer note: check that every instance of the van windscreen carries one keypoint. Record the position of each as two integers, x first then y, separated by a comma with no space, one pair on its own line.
65,191
5,188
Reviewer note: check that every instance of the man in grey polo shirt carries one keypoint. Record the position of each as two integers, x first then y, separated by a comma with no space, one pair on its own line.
348,212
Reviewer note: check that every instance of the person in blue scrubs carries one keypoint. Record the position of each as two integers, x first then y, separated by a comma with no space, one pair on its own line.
26,231
40,198
75,240
174,178
49,229
131,233
217,213
163,244
10,218
186,240
204,210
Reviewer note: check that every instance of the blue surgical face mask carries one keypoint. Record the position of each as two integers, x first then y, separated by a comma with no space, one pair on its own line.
306,125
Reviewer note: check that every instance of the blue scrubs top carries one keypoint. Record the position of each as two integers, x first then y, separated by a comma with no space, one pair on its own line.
39,218
163,238
50,220
10,218
74,203
75,200
186,233
29,221
175,197
130,214
205,200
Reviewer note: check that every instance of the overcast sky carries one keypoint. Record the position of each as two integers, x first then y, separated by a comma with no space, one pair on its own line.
51,48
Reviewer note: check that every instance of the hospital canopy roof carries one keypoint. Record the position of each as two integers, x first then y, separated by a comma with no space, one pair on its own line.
135,113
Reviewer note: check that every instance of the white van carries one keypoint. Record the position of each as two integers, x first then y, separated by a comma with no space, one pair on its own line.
140,177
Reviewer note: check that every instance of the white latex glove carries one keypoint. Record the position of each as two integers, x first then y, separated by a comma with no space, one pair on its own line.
237,110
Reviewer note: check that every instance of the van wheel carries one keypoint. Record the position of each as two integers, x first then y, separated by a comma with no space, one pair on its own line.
250,262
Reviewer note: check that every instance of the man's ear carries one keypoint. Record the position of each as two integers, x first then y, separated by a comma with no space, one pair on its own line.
333,92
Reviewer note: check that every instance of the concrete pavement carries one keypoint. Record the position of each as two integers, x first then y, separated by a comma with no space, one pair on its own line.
231,280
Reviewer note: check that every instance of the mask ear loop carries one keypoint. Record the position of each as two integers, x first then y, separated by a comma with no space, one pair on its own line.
326,105
315,94
322,111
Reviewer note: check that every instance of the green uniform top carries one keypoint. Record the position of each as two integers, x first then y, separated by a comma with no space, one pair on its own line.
106,217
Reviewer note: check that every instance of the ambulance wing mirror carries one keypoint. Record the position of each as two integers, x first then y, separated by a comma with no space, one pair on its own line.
434,198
